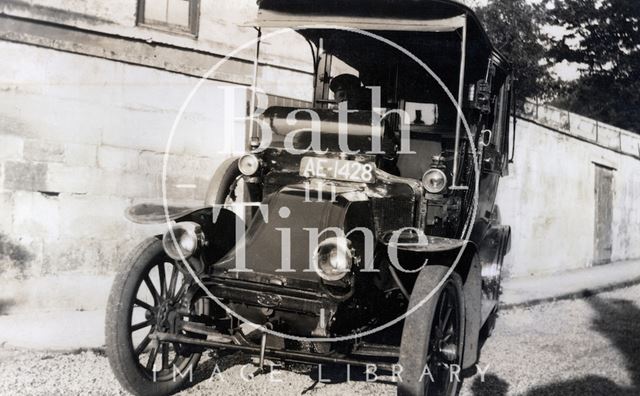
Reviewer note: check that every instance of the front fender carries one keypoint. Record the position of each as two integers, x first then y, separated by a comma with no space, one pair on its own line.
154,213
217,226
444,251
221,181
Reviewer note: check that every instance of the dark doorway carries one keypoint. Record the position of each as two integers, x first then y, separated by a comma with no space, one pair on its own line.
603,215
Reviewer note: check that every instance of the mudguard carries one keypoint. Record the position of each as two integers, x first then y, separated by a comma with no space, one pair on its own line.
154,213
221,181
439,251
473,309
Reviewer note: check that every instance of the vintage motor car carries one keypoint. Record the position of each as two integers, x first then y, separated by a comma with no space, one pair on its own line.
368,232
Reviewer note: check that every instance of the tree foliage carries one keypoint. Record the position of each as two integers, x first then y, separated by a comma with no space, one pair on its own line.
604,37
514,27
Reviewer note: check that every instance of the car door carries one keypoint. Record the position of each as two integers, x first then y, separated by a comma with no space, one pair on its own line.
492,156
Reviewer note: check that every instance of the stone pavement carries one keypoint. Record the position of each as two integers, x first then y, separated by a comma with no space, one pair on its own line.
55,330
571,284
83,327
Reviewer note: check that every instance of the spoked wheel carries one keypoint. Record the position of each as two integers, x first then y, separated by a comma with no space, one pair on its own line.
433,339
145,298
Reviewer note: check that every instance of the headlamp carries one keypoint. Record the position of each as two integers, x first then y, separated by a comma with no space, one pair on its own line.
188,238
434,181
333,259
248,164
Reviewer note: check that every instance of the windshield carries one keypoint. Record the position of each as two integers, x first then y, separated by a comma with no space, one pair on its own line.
406,83
370,74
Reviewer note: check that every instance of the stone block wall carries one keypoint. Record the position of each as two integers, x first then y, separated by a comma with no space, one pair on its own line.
549,201
81,139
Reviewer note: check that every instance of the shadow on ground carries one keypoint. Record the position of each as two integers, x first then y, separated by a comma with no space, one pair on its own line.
5,305
619,321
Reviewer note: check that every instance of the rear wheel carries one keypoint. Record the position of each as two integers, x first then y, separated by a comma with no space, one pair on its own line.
433,338
145,298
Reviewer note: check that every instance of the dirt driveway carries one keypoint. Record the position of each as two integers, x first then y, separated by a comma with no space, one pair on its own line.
571,348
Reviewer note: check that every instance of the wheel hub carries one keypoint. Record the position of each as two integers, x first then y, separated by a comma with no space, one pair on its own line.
164,315
449,352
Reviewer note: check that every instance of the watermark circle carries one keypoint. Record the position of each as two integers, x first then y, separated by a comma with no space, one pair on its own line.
466,232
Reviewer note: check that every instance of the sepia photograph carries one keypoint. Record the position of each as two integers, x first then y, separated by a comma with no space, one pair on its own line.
320,197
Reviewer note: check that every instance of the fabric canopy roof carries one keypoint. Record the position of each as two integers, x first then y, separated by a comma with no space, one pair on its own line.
276,19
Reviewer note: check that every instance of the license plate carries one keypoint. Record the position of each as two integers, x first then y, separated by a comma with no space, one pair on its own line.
337,169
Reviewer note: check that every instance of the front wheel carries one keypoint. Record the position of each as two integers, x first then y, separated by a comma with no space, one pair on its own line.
432,339
145,298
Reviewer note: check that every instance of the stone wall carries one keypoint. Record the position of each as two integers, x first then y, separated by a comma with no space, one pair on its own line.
87,102
108,29
549,196
82,138
222,26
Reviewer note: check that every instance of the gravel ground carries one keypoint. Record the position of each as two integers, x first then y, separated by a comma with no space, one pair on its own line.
582,348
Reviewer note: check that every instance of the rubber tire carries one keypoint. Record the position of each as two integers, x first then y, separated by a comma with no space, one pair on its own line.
119,350
417,329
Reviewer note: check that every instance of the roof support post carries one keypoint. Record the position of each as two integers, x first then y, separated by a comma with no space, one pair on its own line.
253,139
463,63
